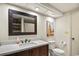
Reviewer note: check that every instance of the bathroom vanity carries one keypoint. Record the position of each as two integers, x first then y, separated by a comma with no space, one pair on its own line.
37,51
36,48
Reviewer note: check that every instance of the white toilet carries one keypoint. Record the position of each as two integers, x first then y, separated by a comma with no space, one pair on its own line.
56,51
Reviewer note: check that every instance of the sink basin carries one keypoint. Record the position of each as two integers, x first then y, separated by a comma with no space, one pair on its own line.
27,44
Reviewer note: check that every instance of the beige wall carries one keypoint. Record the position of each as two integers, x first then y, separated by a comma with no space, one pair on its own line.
41,24
63,32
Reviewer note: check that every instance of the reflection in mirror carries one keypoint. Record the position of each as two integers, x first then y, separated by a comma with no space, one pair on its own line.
28,27
27,23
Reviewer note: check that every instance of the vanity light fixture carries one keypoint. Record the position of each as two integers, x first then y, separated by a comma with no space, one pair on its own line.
50,19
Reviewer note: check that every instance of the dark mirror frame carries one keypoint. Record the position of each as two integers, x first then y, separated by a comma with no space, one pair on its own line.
10,21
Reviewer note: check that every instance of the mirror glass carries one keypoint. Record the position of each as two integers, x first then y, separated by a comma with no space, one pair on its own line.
28,27
21,23
27,23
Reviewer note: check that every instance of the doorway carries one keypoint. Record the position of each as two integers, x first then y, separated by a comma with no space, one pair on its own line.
75,34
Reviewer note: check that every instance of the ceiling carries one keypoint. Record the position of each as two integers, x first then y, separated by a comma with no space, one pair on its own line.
49,9
65,7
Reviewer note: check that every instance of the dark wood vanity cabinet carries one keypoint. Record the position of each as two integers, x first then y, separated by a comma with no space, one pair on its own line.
38,51
43,51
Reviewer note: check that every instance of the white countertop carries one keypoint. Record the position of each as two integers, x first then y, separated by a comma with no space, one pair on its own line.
13,48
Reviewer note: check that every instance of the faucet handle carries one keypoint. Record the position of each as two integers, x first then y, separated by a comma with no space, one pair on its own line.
26,40
29,40
22,41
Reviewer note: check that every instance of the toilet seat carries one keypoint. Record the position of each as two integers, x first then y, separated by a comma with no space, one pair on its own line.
58,51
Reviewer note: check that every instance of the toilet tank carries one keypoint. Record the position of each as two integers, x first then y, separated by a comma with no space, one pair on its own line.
52,44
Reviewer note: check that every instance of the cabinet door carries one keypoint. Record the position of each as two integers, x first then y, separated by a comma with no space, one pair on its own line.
43,51
22,53
35,52
40,51
25,53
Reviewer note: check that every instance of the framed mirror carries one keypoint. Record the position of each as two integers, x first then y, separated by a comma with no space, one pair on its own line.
21,23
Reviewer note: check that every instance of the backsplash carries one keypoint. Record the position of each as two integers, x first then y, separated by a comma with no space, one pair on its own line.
13,39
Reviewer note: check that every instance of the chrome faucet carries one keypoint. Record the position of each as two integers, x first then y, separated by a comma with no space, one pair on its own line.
26,40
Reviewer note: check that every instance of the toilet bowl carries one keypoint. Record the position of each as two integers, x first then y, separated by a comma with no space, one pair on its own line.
57,52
